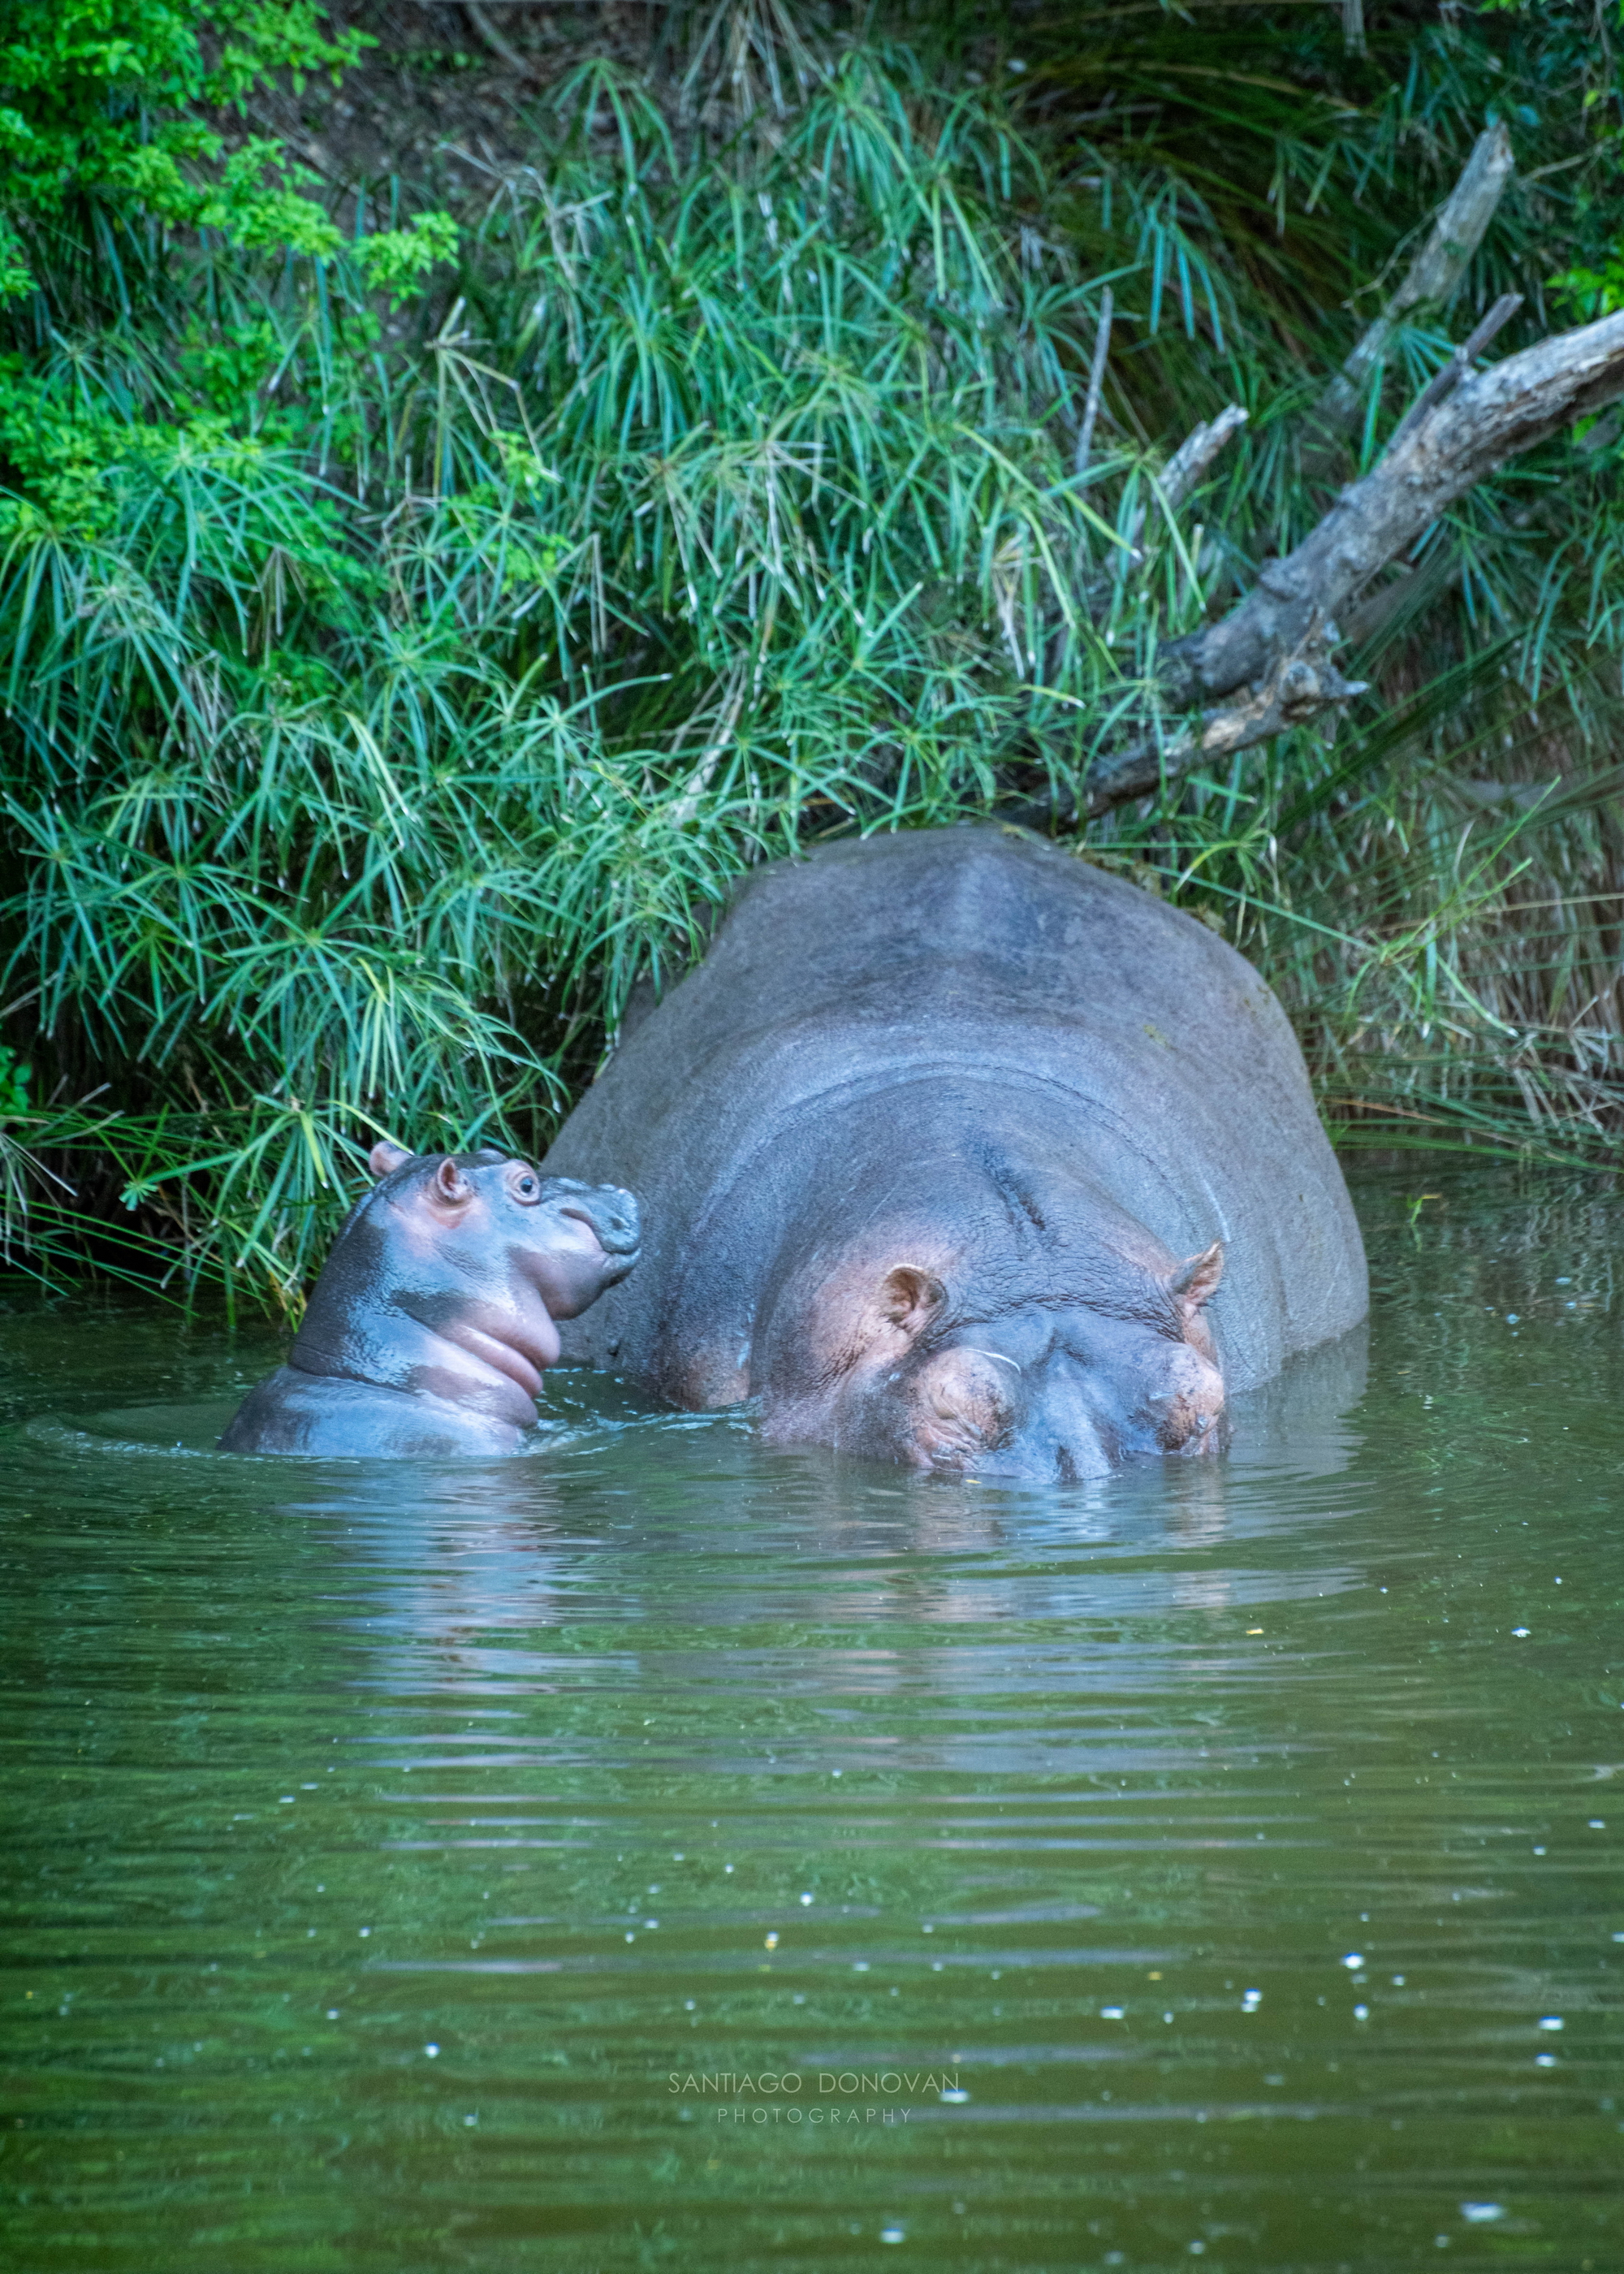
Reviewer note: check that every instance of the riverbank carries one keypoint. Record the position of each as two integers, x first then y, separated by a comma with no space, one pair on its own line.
423,602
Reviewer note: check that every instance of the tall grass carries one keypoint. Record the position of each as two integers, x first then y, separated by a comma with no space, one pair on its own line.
384,691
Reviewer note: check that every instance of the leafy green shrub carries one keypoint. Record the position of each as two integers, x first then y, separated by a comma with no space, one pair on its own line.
98,101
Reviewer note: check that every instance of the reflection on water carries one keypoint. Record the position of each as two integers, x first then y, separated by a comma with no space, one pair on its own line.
667,1852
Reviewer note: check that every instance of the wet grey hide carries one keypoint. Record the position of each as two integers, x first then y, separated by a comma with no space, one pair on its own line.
960,1152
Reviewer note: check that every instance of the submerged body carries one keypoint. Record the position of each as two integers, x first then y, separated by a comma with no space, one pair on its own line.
945,1149
435,1316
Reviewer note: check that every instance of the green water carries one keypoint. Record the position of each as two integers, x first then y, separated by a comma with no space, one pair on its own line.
383,1845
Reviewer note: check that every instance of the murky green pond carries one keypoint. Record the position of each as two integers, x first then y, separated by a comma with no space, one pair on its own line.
665,1852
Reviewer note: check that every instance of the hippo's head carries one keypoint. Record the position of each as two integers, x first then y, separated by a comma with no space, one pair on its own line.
570,1240
903,1363
449,1276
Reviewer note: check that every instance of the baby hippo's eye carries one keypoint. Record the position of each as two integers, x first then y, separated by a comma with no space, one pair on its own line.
526,1186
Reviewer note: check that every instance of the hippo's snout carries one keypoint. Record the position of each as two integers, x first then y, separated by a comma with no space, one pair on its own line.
609,1209
595,1240
618,1261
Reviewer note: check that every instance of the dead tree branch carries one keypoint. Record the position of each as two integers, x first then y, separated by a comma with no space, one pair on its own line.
1301,685
1434,277
1197,451
1266,665
1184,469
1445,381
1497,415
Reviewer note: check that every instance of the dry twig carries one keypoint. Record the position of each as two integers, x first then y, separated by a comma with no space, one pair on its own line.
1272,652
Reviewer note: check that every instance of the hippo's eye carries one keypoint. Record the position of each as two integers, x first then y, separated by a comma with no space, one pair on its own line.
527,1188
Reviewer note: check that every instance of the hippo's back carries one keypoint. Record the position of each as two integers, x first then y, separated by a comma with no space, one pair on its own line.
944,966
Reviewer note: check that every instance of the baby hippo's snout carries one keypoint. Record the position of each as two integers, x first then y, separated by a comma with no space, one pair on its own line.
590,1240
610,1210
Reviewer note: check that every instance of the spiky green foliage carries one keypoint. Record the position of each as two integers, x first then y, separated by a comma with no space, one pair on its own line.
382,693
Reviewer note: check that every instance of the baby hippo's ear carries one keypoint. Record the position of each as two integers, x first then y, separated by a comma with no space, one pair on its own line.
385,1158
450,1185
1195,1282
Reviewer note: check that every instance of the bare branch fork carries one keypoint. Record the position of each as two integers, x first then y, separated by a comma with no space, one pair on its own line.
1274,650
1267,665
1436,273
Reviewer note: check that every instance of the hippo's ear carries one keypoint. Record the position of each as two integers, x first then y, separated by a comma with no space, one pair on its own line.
385,1158
908,1297
450,1185
1195,1282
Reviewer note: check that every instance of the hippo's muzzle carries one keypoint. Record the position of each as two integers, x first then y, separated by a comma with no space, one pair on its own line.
610,1213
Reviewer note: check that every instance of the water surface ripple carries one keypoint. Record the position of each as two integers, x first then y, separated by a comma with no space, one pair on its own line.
665,1852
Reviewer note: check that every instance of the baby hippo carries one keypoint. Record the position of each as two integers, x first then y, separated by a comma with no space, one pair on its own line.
429,1328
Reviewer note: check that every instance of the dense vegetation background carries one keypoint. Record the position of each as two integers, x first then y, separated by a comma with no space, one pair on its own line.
475,475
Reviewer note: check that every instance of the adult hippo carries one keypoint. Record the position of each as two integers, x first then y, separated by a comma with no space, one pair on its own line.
429,1328
945,1147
